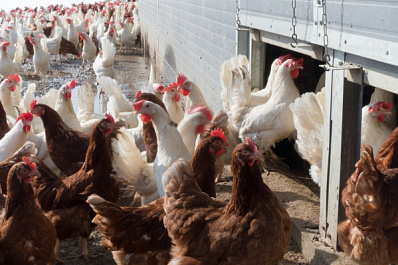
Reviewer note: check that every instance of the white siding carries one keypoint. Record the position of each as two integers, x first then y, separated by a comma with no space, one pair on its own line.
191,37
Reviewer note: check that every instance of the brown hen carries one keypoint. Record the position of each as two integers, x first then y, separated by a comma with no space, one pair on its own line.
66,197
147,241
26,235
252,228
4,128
370,235
67,147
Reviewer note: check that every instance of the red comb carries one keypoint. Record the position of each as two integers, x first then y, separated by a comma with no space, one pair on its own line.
71,84
26,116
218,133
251,144
138,94
159,88
181,79
294,61
13,77
80,34
284,58
201,108
33,104
138,105
4,44
386,105
29,163
109,117
40,36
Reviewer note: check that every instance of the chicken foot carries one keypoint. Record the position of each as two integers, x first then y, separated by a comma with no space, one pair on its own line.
56,251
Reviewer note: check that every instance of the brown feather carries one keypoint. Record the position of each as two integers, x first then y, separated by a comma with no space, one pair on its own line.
4,128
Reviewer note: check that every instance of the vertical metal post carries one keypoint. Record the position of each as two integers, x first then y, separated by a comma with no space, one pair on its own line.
342,103
257,64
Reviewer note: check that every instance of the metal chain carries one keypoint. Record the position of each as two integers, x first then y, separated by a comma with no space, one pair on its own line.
294,23
326,56
237,14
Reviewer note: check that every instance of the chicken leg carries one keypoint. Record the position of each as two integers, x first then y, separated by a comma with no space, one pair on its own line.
85,253
56,251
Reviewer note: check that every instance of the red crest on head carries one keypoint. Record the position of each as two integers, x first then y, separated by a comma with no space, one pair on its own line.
13,77
284,58
294,61
40,36
80,34
180,80
138,94
33,104
377,105
25,116
251,144
218,133
201,108
29,163
159,88
71,84
109,117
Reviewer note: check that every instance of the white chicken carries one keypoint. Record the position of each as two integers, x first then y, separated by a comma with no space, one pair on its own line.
271,122
7,66
170,143
374,131
104,63
386,96
194,124
89,51
126,38
72,35
41,59
52,45
65,108
110,87
85,102
16,137
171,99
7,87
132,168
110,35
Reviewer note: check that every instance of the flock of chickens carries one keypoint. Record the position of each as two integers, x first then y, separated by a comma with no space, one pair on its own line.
61,172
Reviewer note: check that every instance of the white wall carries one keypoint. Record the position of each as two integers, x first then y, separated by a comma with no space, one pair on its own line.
192,37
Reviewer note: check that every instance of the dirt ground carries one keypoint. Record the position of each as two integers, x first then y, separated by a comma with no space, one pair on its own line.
132,75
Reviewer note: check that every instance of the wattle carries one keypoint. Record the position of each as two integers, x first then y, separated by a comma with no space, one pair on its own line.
381,117
28,180
294,73
12,89
145,118
176,98
185,92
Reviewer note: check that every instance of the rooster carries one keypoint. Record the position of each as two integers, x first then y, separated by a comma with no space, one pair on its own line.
168,138
89,50
7,66
16,137
41,59
104,62
369,235
26,235
253,214
148,237
67,147
65,197
64,106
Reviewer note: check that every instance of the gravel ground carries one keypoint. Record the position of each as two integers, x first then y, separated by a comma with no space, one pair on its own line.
132,74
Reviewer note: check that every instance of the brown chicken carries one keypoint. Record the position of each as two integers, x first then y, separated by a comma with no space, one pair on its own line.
67,147
26,235
66,197
252,228
4,128
26,150
147,241
370,234
29,47
67,47
149,133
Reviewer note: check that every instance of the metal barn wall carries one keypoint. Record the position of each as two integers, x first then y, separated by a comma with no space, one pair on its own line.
191,37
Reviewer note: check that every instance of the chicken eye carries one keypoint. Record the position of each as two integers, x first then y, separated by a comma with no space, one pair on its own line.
23,171
245,152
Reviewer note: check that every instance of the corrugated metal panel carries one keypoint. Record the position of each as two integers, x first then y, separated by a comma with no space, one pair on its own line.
364,28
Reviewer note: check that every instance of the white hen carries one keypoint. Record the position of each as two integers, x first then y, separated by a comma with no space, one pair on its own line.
64,106
104,63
